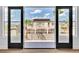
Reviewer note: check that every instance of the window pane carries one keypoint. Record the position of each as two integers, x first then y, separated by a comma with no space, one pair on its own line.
15,25
63,23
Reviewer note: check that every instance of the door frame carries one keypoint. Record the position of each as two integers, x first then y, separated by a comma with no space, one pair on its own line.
14,45
64,45
37,43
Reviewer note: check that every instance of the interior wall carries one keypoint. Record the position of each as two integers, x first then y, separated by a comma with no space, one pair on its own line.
3,39
76,38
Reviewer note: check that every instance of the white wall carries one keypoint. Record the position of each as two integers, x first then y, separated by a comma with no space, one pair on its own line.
3,39
76,38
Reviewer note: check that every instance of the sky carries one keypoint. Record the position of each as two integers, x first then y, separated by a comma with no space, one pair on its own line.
37,13
63,16
32,13
15,15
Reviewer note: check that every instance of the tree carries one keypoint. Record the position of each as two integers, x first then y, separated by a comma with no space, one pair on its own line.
28,22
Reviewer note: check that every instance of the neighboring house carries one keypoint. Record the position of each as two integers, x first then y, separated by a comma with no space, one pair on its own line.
41,26
41,23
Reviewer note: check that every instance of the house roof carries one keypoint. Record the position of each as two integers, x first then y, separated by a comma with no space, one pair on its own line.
41,19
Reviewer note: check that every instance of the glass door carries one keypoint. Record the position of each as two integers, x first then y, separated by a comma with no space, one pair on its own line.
15,27
64,26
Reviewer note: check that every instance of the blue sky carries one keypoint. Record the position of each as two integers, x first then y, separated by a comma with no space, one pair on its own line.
32,13
63,16
15,15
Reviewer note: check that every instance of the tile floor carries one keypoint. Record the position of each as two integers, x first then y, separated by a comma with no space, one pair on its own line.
39,51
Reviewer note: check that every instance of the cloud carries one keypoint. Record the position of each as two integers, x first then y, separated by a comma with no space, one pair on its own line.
47,14
36,11
42,17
